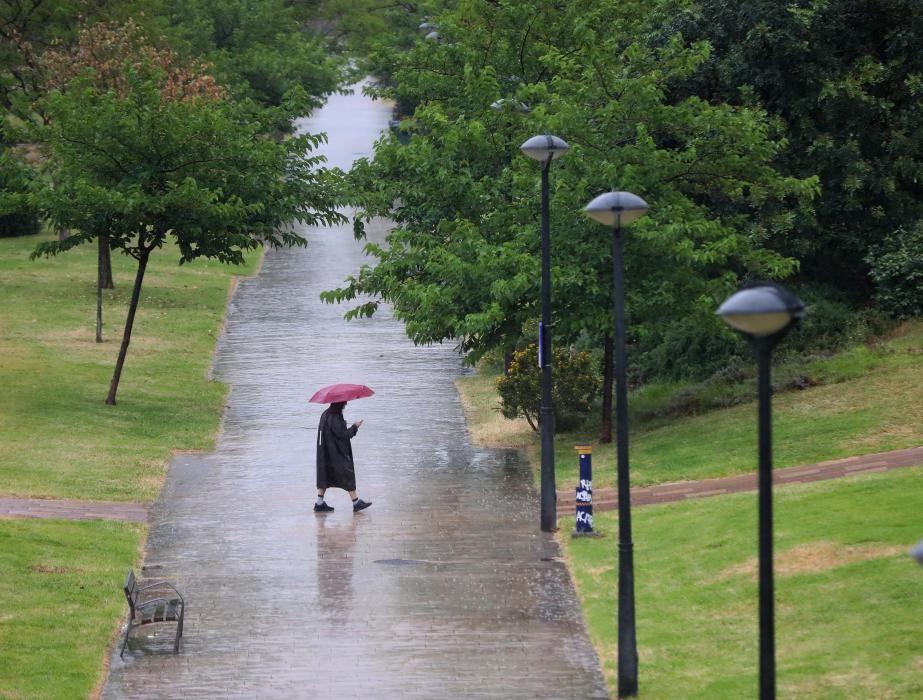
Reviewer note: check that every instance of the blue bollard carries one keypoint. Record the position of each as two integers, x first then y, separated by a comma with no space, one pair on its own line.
584,499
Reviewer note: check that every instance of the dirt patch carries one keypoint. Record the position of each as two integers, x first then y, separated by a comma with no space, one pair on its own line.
815,557
494,430
49,569
84,338
908,433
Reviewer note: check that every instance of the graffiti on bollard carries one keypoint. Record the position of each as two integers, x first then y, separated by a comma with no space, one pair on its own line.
584,498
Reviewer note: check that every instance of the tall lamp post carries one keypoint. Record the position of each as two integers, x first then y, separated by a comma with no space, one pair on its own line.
763,313
618,209
546,148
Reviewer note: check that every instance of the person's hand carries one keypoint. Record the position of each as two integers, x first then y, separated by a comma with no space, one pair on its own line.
357,424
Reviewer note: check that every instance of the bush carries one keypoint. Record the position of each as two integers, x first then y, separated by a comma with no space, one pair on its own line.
692,348
17,218
576,384
896,266
831,324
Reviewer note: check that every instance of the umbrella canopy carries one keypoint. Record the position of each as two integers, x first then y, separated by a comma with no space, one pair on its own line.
341,392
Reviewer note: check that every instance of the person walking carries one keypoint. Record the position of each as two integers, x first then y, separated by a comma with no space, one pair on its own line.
335,468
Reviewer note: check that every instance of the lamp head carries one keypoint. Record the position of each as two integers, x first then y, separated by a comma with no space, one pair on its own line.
616,208
761,309
545,147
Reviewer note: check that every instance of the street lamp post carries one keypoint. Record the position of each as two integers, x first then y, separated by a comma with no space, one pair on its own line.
618,209
763,313
546,148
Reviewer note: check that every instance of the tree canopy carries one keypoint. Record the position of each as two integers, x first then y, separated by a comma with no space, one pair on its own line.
269,52
141,149
844,79
462,262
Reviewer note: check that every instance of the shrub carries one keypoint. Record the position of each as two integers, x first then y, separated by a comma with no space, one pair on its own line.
17,217
692,348
831,324
896,266
576,384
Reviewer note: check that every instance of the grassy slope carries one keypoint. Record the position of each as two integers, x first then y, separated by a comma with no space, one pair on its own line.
59,581
848,600
57,437
872,403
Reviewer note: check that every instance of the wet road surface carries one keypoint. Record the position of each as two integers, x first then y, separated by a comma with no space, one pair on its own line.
444,588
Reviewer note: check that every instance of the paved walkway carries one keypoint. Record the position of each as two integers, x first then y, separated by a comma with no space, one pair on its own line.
444,588
606,499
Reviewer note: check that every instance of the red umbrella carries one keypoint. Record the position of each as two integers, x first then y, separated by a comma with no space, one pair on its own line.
341,392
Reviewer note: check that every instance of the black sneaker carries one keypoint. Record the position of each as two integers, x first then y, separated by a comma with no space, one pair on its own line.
359,504
323,508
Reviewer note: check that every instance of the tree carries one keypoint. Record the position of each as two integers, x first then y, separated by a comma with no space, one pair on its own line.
26,29
141,169
462,261
843,78
260,49
104,55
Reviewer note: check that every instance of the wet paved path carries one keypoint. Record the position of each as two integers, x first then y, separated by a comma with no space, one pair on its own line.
444,588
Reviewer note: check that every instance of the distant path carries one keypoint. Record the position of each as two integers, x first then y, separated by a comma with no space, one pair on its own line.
603,499
606,499
60,509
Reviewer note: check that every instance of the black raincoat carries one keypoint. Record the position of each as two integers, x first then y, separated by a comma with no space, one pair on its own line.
335,467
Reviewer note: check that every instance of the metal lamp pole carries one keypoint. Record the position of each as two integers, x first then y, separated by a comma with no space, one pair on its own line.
619,209
546,148
764,313
766,582
628,645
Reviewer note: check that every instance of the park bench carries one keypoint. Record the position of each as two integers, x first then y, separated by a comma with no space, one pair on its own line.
167,606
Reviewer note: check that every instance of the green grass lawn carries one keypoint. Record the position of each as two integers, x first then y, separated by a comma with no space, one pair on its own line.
870,401
848,598
58,439
60,582
59,603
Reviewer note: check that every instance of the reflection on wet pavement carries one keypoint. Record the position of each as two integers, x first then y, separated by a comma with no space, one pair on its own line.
444,588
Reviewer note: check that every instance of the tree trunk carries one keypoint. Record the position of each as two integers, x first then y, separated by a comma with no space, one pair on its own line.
99,309
605,430
104,263
129,322
102,245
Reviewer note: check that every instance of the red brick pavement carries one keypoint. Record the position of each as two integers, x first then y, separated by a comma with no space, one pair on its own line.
606,499
603,499
72,510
